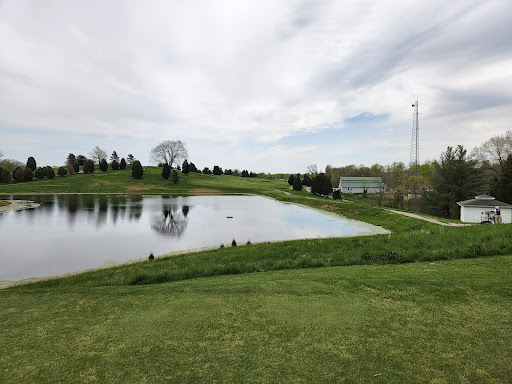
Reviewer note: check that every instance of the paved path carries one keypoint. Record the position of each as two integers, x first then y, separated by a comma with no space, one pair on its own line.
431,220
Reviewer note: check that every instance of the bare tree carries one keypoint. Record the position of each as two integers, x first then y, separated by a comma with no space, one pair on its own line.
169,152
312,169
98,154
495,150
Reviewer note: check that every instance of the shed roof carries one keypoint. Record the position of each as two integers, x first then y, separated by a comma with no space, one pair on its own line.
484,201
360,182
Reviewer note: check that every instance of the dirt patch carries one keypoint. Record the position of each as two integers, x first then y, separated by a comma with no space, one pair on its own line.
95,185
203,190
4,203
136,188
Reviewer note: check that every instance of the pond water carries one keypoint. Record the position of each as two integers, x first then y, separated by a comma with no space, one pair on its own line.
69,233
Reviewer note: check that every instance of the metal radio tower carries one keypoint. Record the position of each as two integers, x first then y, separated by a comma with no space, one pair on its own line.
414,166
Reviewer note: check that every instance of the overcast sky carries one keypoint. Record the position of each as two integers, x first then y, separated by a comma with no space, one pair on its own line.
264,85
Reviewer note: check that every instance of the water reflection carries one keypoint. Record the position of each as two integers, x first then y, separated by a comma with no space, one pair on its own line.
75,232
172,221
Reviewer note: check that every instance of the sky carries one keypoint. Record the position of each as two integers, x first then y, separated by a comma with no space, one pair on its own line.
268,86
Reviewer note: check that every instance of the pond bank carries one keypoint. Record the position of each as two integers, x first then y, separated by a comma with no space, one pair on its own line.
18,205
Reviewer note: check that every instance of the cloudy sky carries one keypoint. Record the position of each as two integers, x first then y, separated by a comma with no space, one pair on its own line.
262,85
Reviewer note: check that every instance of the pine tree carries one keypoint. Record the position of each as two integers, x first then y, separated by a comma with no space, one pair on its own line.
175,177
501,186
166,171
103,165
76,166
62,171
81,160
217,170
89,166
297,185
31,163
291,179
40,173
137,170
49,172
185,168
70,159
122,164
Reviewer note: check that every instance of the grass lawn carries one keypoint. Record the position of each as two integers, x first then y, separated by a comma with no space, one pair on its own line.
423,304
441,322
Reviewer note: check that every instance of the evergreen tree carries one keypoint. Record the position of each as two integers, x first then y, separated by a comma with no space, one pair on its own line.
137,170
70,159
336,195
321,185
193,168
31,163
49,172
14,172
81,160
28,174
115,165
103,165
122,164
166,171
217,170
291,179
501,186
62,171
297,185
76,166
114,157
456,178
40,173
245,173
185,168
89,166
175,177
327,187
228,172
307,181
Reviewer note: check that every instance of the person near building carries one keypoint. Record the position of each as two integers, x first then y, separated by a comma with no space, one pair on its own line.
497,215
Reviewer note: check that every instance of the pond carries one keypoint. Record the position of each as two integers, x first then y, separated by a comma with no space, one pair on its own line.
69,233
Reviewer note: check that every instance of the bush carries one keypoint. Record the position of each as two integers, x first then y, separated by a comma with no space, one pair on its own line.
166,172
115,165
233,243
137,170
14,172
28,174
31,163
62,171
175,177
307,181
336,195
49,172
88,166
217,170
291,180
76,166
81,160
40,173
5,175
103,165
297,185
207,171
19,174
185,168
122,164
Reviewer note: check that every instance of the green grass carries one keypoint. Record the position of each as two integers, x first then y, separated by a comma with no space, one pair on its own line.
440,322
424,304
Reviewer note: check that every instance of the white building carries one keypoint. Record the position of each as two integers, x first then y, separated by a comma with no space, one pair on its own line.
361,184
475,210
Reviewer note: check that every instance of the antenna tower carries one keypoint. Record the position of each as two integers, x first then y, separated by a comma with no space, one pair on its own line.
414,165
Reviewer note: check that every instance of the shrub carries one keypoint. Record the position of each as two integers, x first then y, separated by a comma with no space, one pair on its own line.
297,185
137,170
228,172
336,195
70,159
185,167
175,177
115,165
76,166
5,175
62,171
291,180
103,165
19,174
28,174
14,172
166,172
307,181
40,173
207,171
217,170
49,172
81,160
193,167
31,163
233,243
89,166
122,164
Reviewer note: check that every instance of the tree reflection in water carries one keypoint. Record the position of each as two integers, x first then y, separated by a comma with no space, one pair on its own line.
172,221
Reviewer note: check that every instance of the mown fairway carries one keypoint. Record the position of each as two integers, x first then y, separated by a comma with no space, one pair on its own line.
443,322
424,304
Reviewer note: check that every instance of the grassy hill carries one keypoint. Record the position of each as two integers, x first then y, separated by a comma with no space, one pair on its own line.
424,304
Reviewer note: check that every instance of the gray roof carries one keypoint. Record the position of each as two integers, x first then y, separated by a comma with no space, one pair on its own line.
484,201
360,182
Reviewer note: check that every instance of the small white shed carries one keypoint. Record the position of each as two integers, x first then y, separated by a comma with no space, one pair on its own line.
473,211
